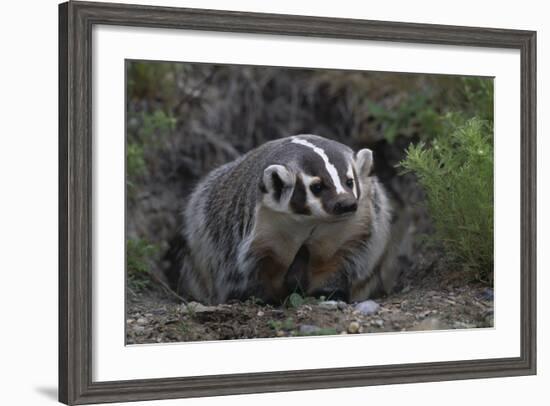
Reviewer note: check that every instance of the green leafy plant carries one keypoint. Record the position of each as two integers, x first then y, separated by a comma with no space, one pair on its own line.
139,254
456,170
326,331
287,324
295,300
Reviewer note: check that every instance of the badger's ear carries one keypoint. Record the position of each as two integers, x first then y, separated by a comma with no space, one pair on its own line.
363,161
276,179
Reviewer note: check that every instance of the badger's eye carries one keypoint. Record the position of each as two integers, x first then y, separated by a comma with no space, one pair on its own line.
349,182
316,188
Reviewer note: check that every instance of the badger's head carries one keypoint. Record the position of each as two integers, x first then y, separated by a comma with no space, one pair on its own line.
316,178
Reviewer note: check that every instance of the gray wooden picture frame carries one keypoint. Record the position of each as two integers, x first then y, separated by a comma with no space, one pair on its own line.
76,20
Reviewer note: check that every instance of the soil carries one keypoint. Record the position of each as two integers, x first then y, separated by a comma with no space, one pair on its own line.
151,318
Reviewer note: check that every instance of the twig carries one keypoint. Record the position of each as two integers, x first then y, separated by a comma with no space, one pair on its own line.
166,287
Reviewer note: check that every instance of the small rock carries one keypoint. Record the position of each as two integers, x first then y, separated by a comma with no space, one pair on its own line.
329,304
309,329
379,322
353,327
260,313
139,329
141,321
280,333
367,307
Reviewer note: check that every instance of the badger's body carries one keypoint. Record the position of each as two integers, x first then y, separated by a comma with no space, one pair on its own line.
296,214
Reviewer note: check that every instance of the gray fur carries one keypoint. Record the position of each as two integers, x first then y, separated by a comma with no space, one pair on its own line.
258,214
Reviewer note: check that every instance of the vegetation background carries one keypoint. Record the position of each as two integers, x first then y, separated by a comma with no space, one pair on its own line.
432,137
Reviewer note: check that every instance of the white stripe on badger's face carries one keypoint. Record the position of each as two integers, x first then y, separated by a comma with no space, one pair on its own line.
331,169
349,174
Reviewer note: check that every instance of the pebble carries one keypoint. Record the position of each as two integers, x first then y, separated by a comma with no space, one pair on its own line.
280,333
141,321
379,322
260,313
367,307
309,329
353,327
139,329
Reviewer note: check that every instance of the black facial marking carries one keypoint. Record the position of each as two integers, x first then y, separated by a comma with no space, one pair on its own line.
263,189
277,186
298,202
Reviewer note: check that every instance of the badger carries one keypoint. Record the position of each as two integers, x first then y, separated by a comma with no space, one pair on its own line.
297,214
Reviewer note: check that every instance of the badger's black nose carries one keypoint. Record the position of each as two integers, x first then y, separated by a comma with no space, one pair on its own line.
345,206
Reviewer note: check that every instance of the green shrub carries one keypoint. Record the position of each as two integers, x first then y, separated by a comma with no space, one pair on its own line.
145,132
139,254
474,98
155,125
415,112
135,163
153,81
456,170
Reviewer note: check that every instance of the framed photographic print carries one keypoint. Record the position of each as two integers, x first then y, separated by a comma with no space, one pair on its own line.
257,202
